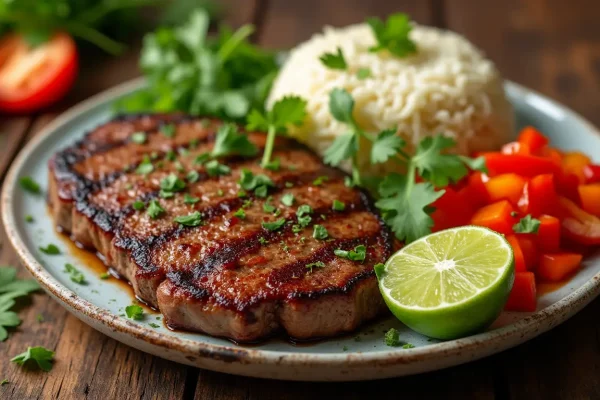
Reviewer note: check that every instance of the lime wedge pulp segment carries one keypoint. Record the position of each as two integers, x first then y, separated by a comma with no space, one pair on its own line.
451,283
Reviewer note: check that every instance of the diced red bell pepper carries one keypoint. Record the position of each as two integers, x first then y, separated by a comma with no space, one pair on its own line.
567,184
520,265
574,162
529,250
532,138
451,210
591,173
527,166
505,187
516,148
539,196
476,191
523,294
590,198
578,225
496,216
548,236
555,267
552,154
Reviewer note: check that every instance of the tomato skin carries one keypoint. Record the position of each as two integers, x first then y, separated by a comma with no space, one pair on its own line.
496,216
590,198
533,139
539,196
45,88
523,294
523,165
557,266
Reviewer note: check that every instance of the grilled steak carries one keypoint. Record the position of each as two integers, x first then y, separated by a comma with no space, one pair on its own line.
231,275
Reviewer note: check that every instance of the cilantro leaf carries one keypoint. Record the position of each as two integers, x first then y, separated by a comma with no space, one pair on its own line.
392,338
188,199
341,105
334,60
358,254
338,205
172,183
50,249
386,145
258,183
168,130
475,164
435,166
317,264
138,205
193,219
319,232
527,224
145,167
393,35
343,147
404,207
154,209
230,141
363,73
275,225
134,312
30,185
138,137
214,168
240,213
75,274
40,355
287,199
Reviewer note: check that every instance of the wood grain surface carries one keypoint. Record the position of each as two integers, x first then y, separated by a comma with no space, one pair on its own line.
552,46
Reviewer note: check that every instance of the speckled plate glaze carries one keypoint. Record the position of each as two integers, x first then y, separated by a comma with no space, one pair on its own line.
360,356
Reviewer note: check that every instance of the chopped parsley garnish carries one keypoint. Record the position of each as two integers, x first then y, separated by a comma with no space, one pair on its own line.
29,218
39,318
275,225
284,246
138,137
289,185
165,194
172,183
345,348
104,275
230,141
168,130
4,382
50,249
201,158
358,254
11,287
178,166
304,209
30,185
134,312
170,155
153,325
258,183
318,264
262,240
268,207
220,192
247,203
289,110
514,214
393,35
334,60
75,274
287,199
138,205
40,355
338,205
188,199
193,219
392,338
273,165
240,213
527,225
154,209
145,166
319,181
214,168
348,181
194,143
153,155
408,346
320,233
363,73
192,176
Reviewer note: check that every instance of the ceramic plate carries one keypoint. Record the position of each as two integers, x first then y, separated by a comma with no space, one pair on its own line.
359,356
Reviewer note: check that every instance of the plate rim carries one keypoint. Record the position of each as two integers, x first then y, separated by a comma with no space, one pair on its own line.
497,339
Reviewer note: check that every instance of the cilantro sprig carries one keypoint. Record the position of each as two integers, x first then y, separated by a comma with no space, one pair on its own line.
290,110
334,60
527,224
39,356
11,288
393,35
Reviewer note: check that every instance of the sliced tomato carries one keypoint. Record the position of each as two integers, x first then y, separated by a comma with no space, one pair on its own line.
578,225
32,78
524,165
557,266
532,139
523,294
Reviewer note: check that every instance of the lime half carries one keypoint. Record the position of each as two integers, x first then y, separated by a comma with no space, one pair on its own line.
451,283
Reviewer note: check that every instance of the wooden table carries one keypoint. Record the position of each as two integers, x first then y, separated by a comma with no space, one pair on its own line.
552,46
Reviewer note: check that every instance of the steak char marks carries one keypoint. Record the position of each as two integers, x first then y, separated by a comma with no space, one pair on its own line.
230,276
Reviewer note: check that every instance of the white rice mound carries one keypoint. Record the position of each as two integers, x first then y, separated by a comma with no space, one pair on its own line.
447,87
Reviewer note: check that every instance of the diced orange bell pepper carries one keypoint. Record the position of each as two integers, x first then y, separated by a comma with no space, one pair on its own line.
523,294
505,187
524,165
578,225
574,162
532,138
516,148
518,253
529,250
496,216
591,173
539,196
590,198
548,236
555,267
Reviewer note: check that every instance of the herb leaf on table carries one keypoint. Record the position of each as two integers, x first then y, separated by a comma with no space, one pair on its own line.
10,289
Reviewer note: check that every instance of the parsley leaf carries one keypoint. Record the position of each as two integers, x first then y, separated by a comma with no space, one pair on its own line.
154,209
214,168
258,183
386,145
138,137
30,185
50,249
338,205
75,274
334,60
192,176
317,264
363,73
188,199
138,205
42,357
145,167
172,183
319,232
134,312
240,213
275,225
393,35
290,110
392,338
193,219
358,254
11,288
287,199
268,207
527,225
230,141
304,209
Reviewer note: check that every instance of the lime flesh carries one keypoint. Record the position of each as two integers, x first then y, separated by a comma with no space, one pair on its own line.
451,283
